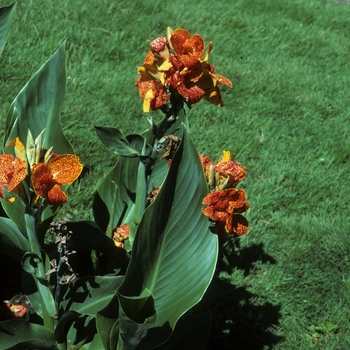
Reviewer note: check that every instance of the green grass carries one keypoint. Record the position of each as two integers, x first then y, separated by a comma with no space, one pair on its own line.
286,120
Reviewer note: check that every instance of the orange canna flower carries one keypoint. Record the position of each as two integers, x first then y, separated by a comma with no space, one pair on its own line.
176,64
120,234
153,92
224,207
47,178
230,170
209,83
188,49
12,172
225,173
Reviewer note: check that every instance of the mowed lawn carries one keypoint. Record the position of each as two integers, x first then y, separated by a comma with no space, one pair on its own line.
286,119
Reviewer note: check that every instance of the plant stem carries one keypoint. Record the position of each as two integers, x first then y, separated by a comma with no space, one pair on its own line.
34,242
46,302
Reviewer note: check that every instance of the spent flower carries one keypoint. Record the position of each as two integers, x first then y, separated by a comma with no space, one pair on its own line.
120,234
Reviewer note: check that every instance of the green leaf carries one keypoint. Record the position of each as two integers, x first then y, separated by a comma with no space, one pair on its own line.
37,106
89,295
74,330
65,321
114,202
38,289
95,344
128,146
6,14
173,244
136,316
20,334
15,211
160,167
12,240
81,331
30,262
105,321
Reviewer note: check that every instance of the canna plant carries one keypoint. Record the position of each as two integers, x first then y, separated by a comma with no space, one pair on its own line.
132,277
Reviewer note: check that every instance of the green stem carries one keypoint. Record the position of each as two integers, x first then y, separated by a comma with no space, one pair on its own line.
34,242
47,303
141,193
61,346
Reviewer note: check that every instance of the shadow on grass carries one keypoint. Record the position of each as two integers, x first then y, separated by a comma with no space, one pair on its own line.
241,320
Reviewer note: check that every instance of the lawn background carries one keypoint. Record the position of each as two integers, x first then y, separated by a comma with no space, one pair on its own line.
286,120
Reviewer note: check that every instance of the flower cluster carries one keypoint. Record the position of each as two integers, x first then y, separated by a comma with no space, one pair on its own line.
46,171
176,64
225,203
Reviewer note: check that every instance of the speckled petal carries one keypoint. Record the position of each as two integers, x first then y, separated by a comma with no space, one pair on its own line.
41,179
178,38
236,225
56,196
12,171
65,169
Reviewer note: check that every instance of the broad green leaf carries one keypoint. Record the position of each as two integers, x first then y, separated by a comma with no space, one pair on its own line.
37,106
37,288
6,14
81,331
21,334
30,262
89,295
15,211
174,245
136,316
160,167
74,330
95,344
114,202
40,297
191,332
140,203
114,140
12,240
132,145
66,319
105,321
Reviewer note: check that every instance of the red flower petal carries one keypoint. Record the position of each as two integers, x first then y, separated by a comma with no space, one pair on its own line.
215,214
236,224
188,49
12,171
158,44
149,59
47,177
41,179
193,94
178,39
56,196
234,170
65,169
222,80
